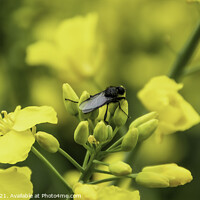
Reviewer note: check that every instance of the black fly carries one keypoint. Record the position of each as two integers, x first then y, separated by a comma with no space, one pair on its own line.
109,95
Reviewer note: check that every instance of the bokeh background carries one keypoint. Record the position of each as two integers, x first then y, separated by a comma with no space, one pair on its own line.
131,41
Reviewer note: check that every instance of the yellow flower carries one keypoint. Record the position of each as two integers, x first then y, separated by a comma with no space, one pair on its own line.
95,192
167,175
15,183
120,168
16,137
160,94
74,48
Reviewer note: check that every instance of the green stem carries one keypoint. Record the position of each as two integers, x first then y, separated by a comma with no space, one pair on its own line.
87,147
113,179
185,55
115,144
66,155
51,167
88,170
86,159
106,180
118,149
100,162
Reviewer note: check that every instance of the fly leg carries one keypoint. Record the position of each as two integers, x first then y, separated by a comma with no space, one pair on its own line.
71,100
105,116
119,98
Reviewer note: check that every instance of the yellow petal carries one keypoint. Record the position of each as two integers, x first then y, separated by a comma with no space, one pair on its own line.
42,53
32,115
87,192
175,174
175,114
117,193
15,146
14,182
96,192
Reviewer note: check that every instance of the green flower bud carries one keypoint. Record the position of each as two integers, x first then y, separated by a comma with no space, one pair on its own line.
102,112
84,96
120,168
121,114
110,131
81,133
69,96
112,107
94,114
152,180
147,129
47,141
101,132
130,140
143,119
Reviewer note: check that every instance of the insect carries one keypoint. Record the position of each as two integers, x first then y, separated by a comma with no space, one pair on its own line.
109,95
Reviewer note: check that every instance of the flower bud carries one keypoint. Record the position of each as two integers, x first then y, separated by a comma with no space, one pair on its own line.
102,112
130,140
94,114
112,107
121,114
69,96
147,129
175,174
139,121
120,168
47,141
84,96
101,132
110,131
81,133
152,180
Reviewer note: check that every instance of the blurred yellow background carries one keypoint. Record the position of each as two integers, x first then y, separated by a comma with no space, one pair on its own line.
92,45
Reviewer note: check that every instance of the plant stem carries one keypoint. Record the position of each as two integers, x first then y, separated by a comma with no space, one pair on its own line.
100,162
115,144
88,170
105,180
86,159
185,55
113,179
66,155
102,171
51,167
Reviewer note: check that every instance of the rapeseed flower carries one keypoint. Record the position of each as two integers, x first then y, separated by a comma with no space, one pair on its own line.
73,50
160,94
16,137
166,175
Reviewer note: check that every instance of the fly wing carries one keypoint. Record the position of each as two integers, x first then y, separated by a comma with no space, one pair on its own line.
94,102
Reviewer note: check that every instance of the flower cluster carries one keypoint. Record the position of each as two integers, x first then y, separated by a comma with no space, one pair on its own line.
97,130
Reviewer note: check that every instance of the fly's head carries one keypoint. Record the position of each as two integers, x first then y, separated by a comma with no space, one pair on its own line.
121,90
